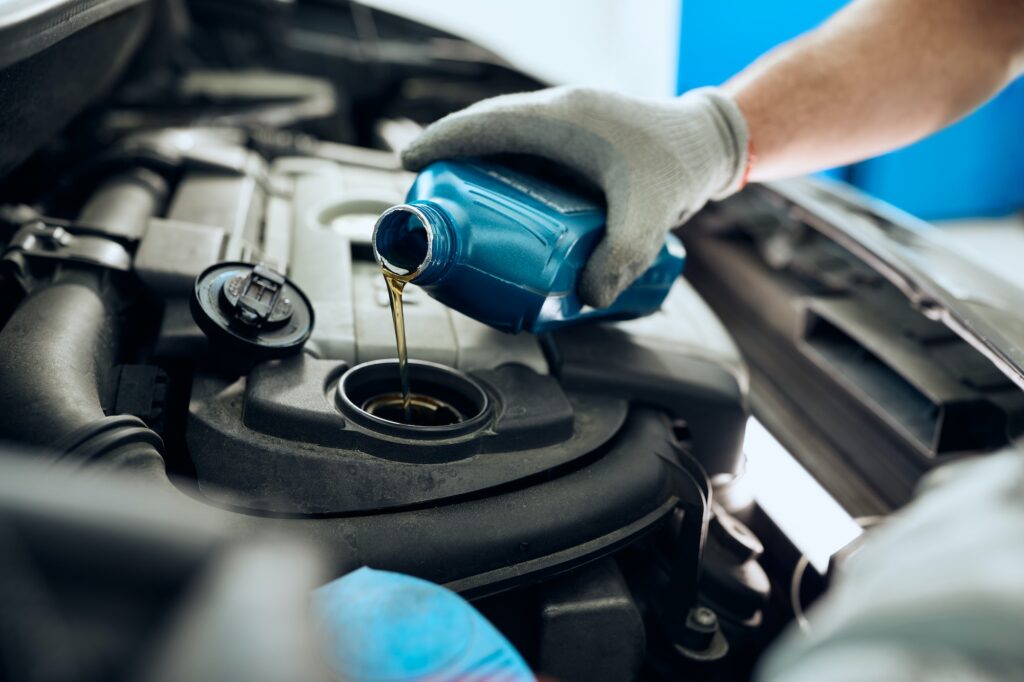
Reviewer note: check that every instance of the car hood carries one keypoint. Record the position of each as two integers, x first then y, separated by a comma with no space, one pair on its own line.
918,258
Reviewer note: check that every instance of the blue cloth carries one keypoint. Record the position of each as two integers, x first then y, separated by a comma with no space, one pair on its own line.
389,626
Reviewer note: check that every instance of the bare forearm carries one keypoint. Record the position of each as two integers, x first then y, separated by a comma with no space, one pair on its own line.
878,75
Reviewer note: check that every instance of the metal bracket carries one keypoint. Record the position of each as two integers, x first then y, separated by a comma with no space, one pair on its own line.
43,241
692,518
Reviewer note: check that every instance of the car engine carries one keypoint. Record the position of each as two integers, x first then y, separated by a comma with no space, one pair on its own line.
583,501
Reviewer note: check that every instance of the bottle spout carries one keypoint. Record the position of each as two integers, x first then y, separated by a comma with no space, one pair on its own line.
412,241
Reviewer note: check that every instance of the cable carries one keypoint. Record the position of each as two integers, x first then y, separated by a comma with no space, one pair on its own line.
797,579
794,593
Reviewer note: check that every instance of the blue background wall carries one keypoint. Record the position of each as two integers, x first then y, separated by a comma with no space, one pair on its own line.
974,168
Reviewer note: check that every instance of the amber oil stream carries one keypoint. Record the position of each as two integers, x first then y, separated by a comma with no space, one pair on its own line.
396,286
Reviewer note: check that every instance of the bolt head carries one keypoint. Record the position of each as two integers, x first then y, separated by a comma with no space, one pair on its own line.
704,616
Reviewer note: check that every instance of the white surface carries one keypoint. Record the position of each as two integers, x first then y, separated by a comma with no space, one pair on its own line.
631,47
994,243
797,503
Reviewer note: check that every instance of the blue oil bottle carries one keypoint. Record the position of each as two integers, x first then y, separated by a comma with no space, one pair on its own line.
507,248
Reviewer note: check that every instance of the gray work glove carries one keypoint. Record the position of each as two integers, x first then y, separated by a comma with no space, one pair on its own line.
657,161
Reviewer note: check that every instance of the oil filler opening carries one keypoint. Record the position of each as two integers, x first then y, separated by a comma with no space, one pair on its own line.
445,402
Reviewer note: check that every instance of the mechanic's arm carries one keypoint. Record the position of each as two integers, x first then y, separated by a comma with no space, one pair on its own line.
878,75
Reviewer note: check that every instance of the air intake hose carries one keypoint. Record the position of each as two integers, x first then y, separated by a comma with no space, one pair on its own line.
58,349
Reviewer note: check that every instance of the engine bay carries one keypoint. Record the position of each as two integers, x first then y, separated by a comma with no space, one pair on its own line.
589,499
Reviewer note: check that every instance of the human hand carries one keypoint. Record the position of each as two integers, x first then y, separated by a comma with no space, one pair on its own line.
657,161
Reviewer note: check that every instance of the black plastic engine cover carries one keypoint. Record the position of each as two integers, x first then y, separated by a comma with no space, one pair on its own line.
703,392
550,480
276,442
486,543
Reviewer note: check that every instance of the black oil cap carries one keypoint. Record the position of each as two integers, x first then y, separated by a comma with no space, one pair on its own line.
251,309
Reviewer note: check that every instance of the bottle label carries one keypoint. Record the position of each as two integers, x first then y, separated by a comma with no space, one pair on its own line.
550,195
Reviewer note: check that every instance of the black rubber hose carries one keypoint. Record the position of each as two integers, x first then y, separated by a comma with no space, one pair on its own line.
56,353
123,205
58,348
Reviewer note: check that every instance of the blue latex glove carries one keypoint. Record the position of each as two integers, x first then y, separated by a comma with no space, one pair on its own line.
387,626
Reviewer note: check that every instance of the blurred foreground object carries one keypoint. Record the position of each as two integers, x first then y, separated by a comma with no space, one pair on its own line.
388,626
104,580
933,594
